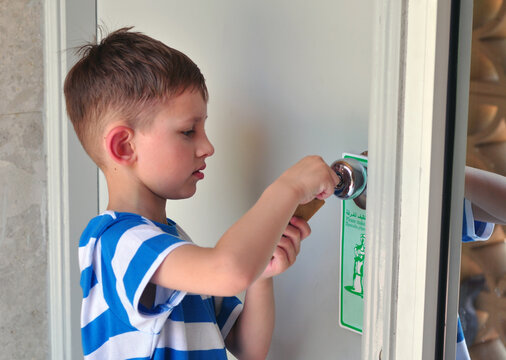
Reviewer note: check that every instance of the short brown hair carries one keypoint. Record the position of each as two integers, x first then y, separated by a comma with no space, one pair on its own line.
127,73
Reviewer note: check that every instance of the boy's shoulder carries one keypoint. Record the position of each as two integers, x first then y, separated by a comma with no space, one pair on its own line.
98,225
114,225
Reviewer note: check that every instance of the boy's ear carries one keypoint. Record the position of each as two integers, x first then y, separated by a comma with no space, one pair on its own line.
119,145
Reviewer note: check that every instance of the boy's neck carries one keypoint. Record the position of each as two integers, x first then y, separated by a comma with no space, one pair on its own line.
136,199
157,215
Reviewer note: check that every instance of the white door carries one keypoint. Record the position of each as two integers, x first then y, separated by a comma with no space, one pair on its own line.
292,78
286,79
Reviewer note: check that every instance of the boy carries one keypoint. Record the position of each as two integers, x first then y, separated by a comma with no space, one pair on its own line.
139,109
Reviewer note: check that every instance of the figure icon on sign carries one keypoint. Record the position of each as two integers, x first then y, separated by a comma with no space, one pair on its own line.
358,268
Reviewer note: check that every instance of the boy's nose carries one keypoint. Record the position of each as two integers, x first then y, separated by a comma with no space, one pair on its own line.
206,148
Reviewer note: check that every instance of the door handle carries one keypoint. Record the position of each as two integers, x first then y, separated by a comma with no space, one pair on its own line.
353,178
352,186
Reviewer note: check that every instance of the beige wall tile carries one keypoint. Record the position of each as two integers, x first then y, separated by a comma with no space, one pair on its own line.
21,56
24,330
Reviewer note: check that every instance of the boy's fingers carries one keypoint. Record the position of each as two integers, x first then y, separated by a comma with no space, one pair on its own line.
293,234
281,259
302,226
336,179
329,186
292,243
288,247
325,194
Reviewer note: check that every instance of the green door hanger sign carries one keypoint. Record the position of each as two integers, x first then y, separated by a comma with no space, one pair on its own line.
353,244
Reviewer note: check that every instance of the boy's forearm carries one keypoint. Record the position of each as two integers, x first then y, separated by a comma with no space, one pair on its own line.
253,238
251,336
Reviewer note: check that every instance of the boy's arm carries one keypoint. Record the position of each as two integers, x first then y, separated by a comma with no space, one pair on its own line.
251,335
244,251
487,193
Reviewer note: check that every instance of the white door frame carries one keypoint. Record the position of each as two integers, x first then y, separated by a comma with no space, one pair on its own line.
406,200
72,177
406,138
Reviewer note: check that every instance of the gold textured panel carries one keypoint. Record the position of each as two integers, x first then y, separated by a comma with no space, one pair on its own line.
487,150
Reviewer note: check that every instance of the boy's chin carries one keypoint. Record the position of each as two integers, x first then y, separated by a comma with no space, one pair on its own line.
183,195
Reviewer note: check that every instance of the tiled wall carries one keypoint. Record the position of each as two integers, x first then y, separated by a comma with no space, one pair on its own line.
23,235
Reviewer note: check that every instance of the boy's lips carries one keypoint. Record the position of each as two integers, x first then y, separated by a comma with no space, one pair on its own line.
198,173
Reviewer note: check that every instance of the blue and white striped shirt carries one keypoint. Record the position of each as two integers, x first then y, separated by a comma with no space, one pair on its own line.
118,255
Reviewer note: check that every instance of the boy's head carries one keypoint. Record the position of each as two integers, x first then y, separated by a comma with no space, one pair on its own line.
125,76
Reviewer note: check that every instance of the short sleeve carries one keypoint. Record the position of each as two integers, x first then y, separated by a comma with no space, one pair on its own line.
227,311
473,230
136,250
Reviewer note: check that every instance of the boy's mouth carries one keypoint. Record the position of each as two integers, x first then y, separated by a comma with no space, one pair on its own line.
198,173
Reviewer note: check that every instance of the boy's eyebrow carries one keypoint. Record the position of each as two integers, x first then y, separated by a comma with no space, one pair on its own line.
195,119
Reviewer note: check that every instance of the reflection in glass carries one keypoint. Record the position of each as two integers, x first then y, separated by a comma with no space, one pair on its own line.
483,269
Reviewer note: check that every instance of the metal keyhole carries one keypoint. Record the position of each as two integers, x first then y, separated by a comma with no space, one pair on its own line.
353,180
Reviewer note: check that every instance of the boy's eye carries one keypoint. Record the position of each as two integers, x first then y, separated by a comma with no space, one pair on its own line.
188,132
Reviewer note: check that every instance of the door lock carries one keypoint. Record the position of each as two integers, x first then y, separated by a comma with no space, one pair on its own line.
353,178
352,186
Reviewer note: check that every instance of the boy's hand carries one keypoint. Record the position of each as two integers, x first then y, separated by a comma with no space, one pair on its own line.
310,178
288,247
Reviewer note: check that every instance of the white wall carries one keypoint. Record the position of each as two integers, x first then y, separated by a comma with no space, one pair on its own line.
286,79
